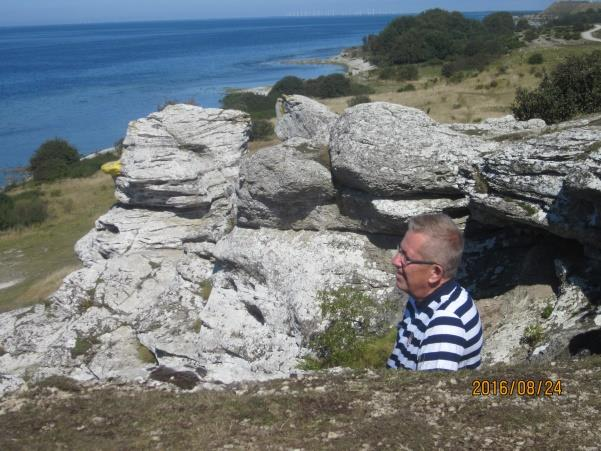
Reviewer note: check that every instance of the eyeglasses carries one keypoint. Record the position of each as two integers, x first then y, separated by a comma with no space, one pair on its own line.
409,261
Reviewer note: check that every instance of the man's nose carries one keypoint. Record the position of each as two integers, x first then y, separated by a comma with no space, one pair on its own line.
396,260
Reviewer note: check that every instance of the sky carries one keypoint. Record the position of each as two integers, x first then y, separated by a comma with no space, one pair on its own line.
49,12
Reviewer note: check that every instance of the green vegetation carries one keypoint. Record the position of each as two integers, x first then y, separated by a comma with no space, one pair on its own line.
263,107
206,286
357,335
535,58
400,73
438,35
22,209
40,255
63,383
261,129
197,325
83,344
406,88
533,335
547,311
144,354
358,100
573,87
57,159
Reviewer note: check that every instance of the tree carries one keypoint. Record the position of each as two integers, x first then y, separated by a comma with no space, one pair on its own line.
52,160
499,23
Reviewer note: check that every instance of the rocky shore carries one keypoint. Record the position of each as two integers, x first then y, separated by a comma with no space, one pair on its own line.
209,265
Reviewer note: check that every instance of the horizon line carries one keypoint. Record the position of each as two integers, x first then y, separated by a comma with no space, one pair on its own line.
287,16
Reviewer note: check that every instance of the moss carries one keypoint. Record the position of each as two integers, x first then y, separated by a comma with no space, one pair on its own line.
206,286
145,355
197,325
547,311
88,302
527,208
83,345
533,335
61,382
481,184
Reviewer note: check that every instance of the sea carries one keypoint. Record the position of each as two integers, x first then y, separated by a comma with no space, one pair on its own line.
84,83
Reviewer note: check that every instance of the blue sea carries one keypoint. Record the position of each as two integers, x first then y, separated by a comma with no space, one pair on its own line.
84,83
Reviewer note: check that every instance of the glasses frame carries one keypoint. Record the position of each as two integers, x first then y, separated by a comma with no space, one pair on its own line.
409,261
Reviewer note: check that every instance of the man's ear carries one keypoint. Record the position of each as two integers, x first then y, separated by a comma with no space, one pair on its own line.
436,274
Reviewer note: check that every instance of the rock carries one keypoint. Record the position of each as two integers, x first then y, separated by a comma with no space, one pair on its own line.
182,157
263,307
384,215
281,187
550,182
126,230
389,150
497,127
300,116
9,383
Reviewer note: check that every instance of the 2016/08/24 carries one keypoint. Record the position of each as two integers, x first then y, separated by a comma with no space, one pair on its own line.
520,387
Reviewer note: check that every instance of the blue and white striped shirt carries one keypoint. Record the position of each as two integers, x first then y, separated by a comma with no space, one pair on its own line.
442,332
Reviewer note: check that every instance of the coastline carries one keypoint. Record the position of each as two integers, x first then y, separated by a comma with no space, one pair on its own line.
353,65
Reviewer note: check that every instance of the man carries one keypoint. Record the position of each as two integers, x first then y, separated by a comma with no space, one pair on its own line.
441,328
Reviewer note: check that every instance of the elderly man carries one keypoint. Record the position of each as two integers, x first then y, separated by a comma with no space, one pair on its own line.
441,328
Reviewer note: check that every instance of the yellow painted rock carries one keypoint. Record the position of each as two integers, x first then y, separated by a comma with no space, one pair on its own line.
112,168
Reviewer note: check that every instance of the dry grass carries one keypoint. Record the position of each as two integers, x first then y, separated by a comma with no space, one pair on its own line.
489,93
354,410
43,254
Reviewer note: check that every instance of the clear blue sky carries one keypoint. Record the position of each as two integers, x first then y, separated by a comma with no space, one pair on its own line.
42,12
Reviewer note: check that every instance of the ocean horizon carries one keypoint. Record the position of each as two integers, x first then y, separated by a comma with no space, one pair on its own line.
86,82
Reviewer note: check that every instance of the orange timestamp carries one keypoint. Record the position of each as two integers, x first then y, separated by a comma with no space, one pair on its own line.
519,387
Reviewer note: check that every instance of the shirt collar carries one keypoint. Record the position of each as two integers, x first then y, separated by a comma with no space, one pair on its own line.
444,289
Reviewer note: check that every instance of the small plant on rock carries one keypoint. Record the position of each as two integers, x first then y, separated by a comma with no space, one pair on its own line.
533,335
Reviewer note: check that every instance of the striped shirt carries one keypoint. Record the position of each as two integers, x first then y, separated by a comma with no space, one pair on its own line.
442,332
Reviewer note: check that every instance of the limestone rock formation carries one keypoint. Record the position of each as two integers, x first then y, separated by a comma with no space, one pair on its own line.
394,151
301,117
551,182
497,127
182,157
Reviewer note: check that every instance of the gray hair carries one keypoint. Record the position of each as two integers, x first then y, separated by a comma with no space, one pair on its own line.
445,244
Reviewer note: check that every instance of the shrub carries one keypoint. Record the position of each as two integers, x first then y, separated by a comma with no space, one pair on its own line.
533,335
24,209
288,85
261,129
258,106
530,35
51,160
358,100
535,58
358,334
406,88
574,87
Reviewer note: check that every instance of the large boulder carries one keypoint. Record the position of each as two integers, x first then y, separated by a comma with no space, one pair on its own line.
182,157
390,150
551,182
301,117
287,187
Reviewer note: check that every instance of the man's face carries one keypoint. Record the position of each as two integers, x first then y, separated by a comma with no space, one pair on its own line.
413,278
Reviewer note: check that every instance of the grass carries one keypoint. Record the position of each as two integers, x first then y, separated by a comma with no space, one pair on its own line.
361,409
489,93
42,255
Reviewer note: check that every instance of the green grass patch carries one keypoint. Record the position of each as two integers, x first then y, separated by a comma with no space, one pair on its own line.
83,344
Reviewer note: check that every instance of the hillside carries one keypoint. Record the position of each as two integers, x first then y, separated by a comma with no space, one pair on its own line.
563,8
326,410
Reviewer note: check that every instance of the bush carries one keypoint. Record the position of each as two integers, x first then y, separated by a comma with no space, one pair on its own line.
574,87
406,88
22,210
535,58
358,100
288,85
530,35
261,129
258,106
358,334
52,159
